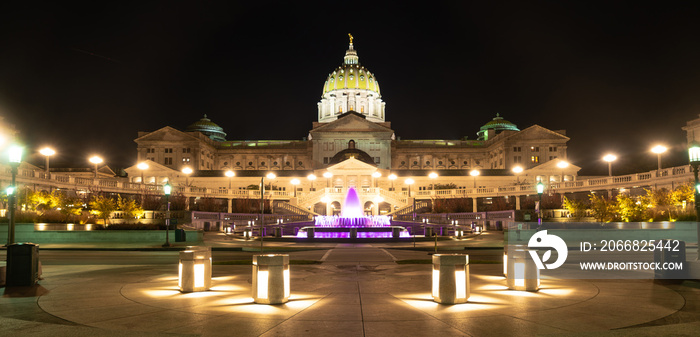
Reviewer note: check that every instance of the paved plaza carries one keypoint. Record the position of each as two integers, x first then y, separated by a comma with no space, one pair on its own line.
357,290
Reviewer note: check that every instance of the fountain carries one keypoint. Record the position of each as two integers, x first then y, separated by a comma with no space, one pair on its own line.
352,223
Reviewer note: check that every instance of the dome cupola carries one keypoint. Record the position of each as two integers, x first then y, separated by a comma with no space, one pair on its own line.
209,128
351,87
494,127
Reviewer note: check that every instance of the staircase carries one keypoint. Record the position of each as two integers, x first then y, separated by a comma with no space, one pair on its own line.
283,207
407,210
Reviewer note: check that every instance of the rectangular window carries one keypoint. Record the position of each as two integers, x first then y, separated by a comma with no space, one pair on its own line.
168,150
517,149
535,159
377,160
517,159
552,149
325,160
168,161
535,148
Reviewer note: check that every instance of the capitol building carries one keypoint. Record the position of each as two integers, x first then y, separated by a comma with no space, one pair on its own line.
351,144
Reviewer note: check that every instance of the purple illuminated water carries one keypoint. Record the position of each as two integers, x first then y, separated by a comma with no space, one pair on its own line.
351,206
352,216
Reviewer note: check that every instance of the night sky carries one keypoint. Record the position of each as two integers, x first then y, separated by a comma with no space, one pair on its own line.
618,76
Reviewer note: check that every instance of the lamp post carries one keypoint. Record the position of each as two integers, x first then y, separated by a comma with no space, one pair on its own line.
311,178
375,176
47,152
392,177
262,204
187,171
142,166
474,174
328,177
432,176
410,182
659,149
96,160
540,190
294,183
517,170
562,165
15,158
610,158
166,190
694,156
230,174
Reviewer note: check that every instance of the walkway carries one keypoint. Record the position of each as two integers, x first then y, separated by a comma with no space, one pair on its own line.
358,290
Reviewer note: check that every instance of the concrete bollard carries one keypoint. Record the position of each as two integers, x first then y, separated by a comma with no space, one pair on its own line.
522,273
450,278
271,278
194,271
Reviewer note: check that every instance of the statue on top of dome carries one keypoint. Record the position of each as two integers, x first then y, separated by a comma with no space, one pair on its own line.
350,35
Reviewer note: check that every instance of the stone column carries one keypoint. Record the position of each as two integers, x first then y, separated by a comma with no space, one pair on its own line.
517,202
230,205
474,208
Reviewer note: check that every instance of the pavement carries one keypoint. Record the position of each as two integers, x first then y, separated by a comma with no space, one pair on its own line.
357,290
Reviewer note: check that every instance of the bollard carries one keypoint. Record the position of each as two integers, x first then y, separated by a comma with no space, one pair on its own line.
395,232
194,271
522,273
271,278
310,232
450,278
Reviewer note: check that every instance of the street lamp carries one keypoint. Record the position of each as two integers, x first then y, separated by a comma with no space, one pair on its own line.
562,165
262,204
187,171
432,175
540,190
312,177
167,189
294,183
694,156
376,175
142,166
328,177
610,158
474,173
410,182
230,174
517,170
96,160
392,177
47,152
15,158
659,149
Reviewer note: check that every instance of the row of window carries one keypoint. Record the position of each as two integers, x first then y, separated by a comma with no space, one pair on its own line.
440,162
534,149
168,150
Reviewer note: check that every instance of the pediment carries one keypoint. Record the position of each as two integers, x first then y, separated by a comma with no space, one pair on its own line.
351,123
166,134
351,165
537,132
551,167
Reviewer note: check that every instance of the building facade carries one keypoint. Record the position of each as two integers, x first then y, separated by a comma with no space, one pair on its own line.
351,124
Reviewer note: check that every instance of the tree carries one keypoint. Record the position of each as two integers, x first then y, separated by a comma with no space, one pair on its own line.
630,209
130,208
43,200
603,209
577,208
103,206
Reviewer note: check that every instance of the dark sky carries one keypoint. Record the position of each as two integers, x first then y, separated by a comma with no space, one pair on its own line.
618,76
